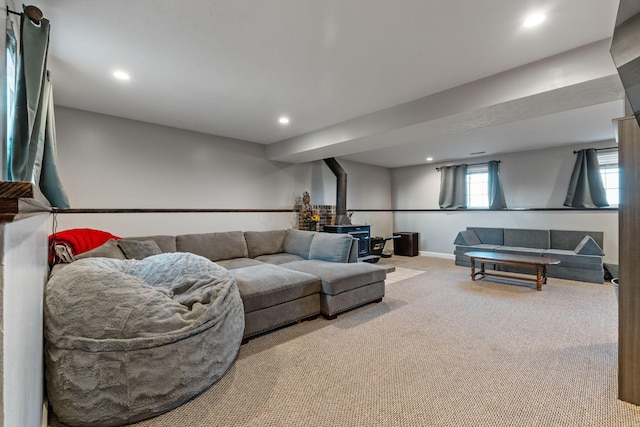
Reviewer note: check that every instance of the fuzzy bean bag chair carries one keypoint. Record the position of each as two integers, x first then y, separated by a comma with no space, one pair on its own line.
126,340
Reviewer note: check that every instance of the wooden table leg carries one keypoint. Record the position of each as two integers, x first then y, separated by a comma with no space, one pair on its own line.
473,269
539,277
544,274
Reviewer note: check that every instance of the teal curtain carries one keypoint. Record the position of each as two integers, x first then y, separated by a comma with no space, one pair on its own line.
586,189
31,139
496,195
453,187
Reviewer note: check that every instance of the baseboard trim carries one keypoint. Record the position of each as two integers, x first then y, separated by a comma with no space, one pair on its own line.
437,255
45,413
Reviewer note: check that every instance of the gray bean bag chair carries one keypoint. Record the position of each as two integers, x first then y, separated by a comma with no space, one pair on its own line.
126,340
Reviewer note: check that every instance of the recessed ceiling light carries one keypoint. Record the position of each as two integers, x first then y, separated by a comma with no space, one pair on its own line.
534,19
121,75
429,159
283,120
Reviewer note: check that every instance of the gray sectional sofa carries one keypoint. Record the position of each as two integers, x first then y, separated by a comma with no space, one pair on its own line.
579,252
285,276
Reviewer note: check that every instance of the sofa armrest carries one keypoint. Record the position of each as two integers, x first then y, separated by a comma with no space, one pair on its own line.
353,254
467,238
588,246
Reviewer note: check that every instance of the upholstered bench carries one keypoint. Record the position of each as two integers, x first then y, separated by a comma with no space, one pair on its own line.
579,252
274,295
346,287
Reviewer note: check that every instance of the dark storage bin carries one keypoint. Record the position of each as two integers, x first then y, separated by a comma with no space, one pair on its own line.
406,245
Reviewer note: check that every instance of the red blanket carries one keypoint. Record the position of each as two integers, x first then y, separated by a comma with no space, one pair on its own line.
78,240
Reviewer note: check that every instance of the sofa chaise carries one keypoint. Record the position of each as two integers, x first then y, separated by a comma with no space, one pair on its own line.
579,252
283,276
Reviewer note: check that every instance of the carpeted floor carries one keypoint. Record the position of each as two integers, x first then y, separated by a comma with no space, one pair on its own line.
440,350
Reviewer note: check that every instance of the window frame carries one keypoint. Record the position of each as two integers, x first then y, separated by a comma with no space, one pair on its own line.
609,165
477,171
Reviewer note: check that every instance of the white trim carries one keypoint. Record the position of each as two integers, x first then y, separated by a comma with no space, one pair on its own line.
45,412
437,255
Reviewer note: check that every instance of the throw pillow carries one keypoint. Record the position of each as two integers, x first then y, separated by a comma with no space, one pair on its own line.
136,249
109,249
331,247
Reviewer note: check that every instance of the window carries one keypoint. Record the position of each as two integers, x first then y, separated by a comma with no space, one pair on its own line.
608,161
478,186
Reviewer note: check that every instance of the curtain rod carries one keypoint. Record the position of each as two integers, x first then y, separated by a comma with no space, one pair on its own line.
468,164
599,149
34,14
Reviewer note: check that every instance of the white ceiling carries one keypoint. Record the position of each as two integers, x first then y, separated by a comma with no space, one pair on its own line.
232,67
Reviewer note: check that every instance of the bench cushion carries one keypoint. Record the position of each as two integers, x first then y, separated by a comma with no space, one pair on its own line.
569,239
491,236
527,238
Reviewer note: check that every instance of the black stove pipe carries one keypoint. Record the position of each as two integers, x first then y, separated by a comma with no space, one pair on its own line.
341,191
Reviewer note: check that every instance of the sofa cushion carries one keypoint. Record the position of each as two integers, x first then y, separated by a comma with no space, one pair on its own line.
468,237
490,236
139,249
588,246
280,258
527,238
515,250
268,285
338,278
214,246
109,249
298,242
331,247
264,242
166,242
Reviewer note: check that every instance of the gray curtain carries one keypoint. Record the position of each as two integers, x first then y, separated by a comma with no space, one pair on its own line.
496,195
585,187
453,187
31,139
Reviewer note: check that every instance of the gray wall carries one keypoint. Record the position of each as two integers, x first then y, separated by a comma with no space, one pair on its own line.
531,179
108,162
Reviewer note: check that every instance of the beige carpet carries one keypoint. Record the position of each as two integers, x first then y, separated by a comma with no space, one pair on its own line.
440,350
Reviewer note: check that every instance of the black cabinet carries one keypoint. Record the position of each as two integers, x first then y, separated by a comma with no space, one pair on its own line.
406,244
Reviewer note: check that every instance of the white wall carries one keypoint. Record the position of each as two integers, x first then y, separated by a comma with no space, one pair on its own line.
109,162
531,179
24,272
